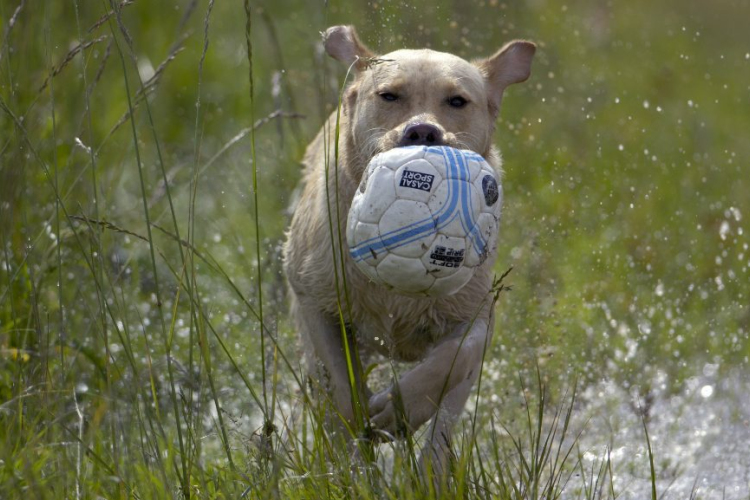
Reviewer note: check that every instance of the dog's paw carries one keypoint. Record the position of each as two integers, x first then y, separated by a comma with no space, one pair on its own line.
442,380
400,412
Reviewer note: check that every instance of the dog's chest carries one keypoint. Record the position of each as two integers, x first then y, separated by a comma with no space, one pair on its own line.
397,326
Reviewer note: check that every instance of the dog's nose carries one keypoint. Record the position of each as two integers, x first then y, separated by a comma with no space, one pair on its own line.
422,134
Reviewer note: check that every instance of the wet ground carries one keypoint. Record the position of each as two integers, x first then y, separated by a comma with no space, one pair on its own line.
700,437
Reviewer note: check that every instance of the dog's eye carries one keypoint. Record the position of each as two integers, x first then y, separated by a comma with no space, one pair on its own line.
457,101
387,96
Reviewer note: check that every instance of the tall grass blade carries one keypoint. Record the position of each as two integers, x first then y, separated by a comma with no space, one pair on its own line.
184,474
348,339
611,474
61,305
268,411
650,459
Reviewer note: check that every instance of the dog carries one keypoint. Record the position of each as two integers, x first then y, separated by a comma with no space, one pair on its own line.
403,98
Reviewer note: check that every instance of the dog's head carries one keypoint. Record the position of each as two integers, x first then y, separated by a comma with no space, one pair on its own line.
423,97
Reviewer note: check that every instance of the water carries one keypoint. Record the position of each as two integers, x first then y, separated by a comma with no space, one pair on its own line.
700,437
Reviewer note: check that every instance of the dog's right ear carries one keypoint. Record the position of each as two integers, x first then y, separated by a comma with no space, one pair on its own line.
509,65
343,44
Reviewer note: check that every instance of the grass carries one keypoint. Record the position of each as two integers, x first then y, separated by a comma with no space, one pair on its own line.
145,349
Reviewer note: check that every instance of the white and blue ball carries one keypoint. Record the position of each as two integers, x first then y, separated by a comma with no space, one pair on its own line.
424,219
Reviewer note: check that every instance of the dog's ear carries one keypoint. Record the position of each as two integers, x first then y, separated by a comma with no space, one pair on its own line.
343,44
511,64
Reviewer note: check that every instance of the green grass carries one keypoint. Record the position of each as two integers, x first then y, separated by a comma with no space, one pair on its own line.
148,154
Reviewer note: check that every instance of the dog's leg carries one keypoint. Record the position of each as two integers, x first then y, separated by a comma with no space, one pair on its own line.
324,346
437,450
438,386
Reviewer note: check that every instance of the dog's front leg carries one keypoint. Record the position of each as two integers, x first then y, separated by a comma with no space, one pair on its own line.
437,450
326,357
438,386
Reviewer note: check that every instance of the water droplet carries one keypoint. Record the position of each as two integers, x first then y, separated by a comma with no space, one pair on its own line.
710,369
724,230
736,213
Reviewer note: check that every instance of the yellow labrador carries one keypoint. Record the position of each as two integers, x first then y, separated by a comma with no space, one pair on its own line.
406,97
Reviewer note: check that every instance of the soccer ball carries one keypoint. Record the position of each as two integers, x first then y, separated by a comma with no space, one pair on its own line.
424,219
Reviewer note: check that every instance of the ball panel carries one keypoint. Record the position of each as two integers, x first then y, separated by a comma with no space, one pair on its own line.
351,221
365,177
406,228
438,201
472,206
378,195
465,210
364,232
416,180
445,256
394,158
437,158
486,229
455,206
475,163
457,164
405,274
451,284
453,227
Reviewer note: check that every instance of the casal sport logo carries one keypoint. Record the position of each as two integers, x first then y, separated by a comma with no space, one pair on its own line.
416,180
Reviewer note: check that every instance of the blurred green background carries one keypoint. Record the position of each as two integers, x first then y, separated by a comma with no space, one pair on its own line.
627,195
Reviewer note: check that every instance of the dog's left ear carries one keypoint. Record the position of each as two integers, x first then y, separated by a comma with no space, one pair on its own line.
511,64
343,44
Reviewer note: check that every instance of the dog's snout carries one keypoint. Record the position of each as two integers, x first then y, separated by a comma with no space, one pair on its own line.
422,134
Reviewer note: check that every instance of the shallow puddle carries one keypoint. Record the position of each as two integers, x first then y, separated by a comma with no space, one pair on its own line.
700,438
